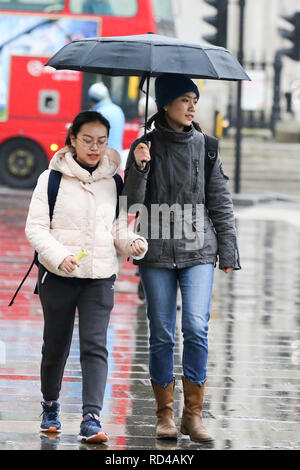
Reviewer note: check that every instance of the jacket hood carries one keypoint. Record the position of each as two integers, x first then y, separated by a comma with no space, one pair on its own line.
64,162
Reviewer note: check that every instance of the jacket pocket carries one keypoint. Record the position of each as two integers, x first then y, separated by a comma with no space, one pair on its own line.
154,253
210,247
193,228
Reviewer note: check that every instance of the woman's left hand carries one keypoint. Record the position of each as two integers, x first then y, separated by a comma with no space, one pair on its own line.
138,247
227,270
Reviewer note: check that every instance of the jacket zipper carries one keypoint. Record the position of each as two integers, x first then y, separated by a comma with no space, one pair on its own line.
171,179
196,165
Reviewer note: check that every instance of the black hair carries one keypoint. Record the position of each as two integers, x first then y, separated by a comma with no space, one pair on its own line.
82,118
160,116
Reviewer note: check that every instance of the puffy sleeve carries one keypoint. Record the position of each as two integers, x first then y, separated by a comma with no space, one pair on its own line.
37,227
124,236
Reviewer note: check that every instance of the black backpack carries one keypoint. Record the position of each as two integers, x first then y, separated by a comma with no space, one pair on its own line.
211,154
52,190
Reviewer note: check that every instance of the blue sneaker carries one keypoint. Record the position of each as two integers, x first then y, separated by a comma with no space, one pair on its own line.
90,429
50,421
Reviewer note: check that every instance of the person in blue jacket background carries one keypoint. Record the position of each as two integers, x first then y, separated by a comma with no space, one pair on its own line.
102,103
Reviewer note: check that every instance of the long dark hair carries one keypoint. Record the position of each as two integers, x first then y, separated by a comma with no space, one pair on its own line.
82,118
160,116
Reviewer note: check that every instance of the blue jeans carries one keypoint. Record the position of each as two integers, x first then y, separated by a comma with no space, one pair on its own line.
160,287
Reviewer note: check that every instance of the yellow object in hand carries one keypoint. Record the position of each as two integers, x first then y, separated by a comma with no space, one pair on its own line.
81,254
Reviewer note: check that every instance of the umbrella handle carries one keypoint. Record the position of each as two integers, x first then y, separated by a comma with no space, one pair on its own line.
145,77
145,140
142,81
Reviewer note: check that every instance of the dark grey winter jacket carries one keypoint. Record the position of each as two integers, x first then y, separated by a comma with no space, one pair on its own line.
184,224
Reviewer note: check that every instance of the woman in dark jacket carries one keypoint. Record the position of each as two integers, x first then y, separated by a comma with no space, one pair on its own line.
189,223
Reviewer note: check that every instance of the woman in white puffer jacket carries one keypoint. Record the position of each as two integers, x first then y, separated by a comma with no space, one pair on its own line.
84,217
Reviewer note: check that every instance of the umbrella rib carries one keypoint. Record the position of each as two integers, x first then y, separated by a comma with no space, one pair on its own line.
204,50
86,55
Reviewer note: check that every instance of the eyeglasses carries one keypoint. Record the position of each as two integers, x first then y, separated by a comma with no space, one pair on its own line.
87,142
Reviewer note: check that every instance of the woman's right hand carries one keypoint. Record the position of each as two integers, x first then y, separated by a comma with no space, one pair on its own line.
69,264
142,154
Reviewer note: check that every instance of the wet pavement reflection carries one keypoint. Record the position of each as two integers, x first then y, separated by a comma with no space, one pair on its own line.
253,389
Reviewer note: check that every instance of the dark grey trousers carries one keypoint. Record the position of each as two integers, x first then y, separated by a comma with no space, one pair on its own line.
93,299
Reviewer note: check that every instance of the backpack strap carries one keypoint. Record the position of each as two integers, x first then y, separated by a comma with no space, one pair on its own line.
211,155
22,282
119,186
53,186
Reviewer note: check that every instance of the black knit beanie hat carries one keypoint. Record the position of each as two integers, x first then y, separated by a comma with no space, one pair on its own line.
170,86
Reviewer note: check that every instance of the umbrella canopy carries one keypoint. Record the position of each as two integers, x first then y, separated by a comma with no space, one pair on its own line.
148,54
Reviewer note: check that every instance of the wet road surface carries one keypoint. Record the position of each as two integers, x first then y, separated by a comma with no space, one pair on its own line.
253,390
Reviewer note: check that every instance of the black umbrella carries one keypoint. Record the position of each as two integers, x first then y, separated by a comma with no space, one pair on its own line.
148,55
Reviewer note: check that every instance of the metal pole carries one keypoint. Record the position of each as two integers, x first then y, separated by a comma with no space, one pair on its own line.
276,114
239,113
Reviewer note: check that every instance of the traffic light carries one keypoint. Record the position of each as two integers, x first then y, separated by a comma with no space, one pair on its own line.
292,35
219,21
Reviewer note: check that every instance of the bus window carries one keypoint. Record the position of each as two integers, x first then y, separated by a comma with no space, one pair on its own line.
119,90
32,5
48,102
164,17
104,7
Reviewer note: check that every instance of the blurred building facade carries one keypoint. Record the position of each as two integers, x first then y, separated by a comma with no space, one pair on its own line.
261,41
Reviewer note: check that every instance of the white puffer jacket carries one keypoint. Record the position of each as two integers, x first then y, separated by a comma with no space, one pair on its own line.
83,218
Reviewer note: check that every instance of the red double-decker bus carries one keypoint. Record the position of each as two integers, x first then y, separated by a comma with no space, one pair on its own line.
38,103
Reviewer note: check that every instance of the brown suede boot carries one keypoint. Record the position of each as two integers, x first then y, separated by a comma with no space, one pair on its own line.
191,422
165,426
